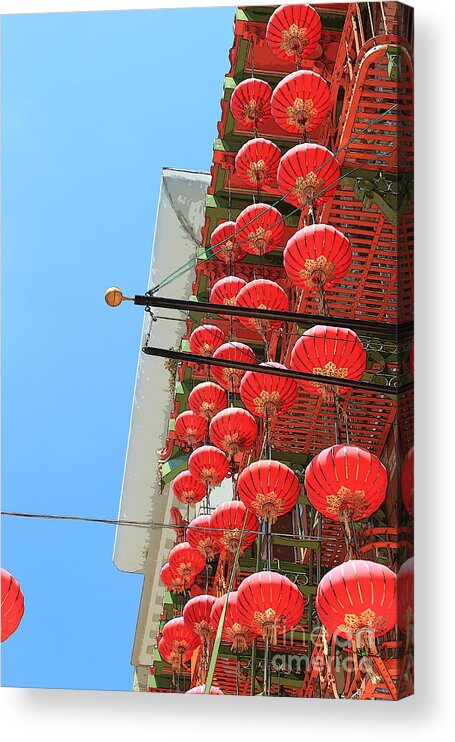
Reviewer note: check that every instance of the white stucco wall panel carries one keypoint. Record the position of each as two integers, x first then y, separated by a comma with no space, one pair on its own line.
180,217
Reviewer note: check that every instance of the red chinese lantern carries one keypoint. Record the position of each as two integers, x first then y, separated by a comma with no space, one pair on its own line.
316,257
225,292
301,102
262,294
235,633
229,377
346,483
267,395
173,655
233,430
250,102
356,596
209,464
260,228
405,597
179,637
224,244
206,399
200,689
269,604
190,429
230,519
329,351
196,616
293,31
268,488
176,633
205,339
12,605
407,481
188,489
308,173
256,163
201,537
186,562
174,582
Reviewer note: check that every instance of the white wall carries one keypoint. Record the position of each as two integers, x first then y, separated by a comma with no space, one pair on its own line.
180,217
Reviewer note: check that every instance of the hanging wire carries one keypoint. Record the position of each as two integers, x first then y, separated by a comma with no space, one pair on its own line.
151,525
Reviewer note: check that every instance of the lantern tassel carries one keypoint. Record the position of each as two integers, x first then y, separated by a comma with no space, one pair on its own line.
348,534
239,644
367,666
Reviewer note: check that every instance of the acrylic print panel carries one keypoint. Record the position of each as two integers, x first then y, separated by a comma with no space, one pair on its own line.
264,538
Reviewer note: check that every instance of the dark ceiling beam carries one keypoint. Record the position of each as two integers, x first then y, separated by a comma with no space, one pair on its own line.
274,371
205,307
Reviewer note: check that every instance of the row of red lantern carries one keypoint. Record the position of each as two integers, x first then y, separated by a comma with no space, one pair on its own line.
358,468
207,467
307,174
264,395
300,102
317,256
322,350
343,481
267,489
257,230
258,294
259,158
356,600
231,430
230,526
265,605
350,480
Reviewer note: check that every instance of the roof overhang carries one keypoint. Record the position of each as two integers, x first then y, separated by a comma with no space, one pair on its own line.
180,217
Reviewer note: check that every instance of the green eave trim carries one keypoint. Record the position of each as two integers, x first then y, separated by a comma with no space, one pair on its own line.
172,467
332,19
296,543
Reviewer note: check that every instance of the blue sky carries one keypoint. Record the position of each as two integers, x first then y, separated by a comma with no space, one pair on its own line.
94,105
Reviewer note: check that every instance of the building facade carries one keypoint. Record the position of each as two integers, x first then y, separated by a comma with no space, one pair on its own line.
363,54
